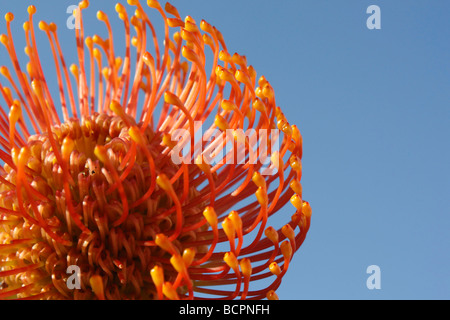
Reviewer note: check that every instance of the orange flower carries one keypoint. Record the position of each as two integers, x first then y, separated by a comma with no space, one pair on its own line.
99,182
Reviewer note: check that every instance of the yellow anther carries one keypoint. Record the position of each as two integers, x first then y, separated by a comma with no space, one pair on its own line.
295,163
306,209
116,107
97,54
96,282
286,250
15,112
251,72
118,62
259,180
164,182
275,268
228,105
262,81
284,126
120,8
9,17
4,71
205,26
100,153
101,16
208,40
157,275
178,263
189,255
268,91
175,22
153,4
288,231
210,215
171,10
228,228
261,196
220,122
4,40
296,133
242,77
83,4
172,99
271,295
89,42
191,27
43,26
259,105
296,187
37,88
24,155
140,15
189,19
240,60
296,201
231,260
67,147
169,291
201,163
226,75
271,234
187,35
184,66
53,27
31,9
136,136
236,219
224,56
259,93
162,241
246,267
190,55
133,2
167,141
74,71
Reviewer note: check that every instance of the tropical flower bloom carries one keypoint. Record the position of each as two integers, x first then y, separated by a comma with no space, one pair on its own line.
108,192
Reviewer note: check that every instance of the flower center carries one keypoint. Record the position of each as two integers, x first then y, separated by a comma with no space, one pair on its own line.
99,209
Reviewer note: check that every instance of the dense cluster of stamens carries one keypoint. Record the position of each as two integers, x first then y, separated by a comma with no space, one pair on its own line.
90,181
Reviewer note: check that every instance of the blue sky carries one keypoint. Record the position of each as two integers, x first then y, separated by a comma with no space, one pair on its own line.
373,107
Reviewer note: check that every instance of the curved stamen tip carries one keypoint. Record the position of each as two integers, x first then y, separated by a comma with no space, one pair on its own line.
9,17
271,295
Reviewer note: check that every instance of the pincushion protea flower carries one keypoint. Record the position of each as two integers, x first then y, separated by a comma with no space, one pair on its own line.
90,180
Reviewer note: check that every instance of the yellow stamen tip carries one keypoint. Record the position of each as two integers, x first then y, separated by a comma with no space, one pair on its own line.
96,282
9,17
296,201
31,10
306,209
157,275
101,16
189,255
220,122
261,196
163,241
271,234
67,147
163,182
296,186
271,295
286,250
231,260
170,292
136,135
275,268
210,214
246,267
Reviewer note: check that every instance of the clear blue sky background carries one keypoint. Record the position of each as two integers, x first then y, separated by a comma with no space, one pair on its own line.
374,110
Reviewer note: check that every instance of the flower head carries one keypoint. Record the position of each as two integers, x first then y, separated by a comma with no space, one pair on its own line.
155,174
